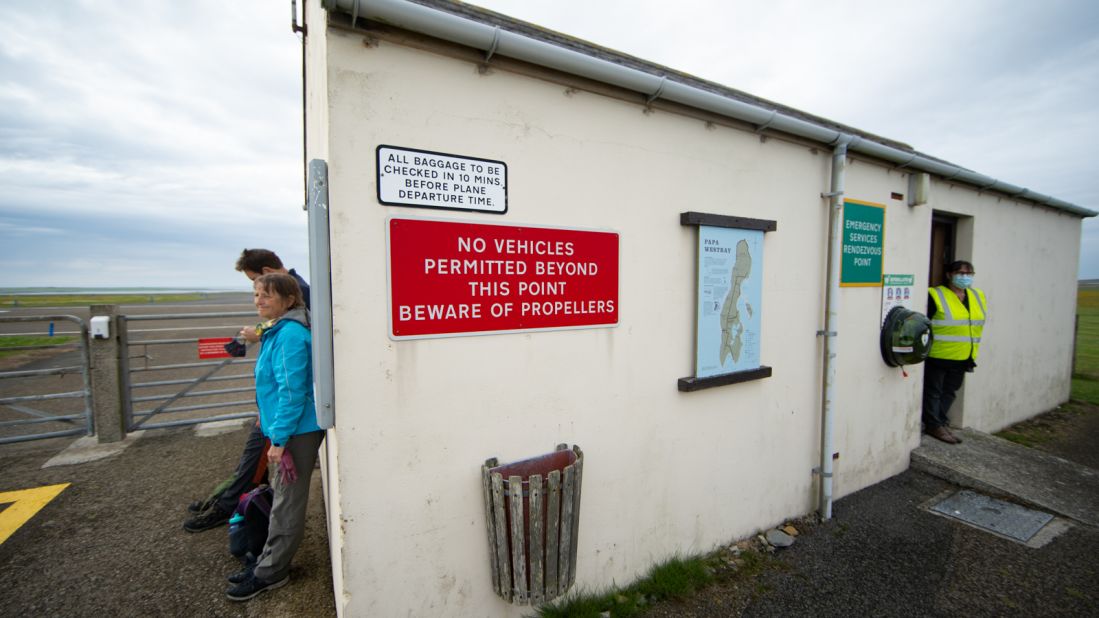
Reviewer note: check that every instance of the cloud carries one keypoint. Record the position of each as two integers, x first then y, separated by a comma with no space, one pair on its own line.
124,120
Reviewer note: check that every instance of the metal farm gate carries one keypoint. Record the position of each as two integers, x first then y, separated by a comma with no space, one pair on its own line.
46,393
161,377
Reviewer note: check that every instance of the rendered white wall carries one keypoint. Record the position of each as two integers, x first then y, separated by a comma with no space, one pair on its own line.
666,471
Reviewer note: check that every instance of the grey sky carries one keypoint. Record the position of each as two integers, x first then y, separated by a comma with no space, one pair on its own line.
147,143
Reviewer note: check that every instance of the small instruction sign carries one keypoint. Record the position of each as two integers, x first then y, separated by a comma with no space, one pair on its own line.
896,292
410,177
863,240
213,347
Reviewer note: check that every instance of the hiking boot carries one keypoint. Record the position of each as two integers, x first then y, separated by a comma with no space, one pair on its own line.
241,576
210,519
253,586
199,506
943,434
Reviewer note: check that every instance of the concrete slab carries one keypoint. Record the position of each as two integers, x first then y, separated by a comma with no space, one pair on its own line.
89,448
995,466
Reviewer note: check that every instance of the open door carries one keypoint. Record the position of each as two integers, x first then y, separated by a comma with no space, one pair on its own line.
943,230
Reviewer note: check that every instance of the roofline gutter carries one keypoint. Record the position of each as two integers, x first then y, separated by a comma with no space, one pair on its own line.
495,40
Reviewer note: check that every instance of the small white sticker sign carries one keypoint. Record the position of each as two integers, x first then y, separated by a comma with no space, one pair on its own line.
411,177
897,292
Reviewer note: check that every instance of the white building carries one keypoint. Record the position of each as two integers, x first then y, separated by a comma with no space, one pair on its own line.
596,156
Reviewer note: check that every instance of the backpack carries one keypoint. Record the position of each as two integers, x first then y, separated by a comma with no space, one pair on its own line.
248,525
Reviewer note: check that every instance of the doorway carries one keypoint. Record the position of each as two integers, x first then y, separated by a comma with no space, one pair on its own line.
943,242
951,237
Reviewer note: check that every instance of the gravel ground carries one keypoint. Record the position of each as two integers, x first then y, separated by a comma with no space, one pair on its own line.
111,544
884,554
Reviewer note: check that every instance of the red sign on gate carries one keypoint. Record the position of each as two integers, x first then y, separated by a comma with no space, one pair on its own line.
449,278
213,347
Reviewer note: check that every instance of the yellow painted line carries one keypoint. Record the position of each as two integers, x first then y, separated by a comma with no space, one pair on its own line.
24,504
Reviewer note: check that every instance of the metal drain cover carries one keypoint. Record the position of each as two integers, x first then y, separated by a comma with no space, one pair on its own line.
1003,518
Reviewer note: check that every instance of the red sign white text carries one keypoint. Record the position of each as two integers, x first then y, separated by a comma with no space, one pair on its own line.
213,347
449,278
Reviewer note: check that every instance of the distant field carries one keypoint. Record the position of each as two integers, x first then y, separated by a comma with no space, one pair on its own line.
1085,383
68,300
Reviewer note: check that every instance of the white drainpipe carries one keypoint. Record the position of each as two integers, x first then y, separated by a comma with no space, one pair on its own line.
831,319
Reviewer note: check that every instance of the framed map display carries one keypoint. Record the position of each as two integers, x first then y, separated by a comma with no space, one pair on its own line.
728,300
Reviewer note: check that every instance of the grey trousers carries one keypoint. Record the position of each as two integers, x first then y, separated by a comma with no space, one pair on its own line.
287,525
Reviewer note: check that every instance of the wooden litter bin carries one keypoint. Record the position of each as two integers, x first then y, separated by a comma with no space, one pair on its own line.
532,508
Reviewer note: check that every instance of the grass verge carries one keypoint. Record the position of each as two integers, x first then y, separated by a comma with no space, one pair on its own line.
22,341
1085,379
1087,338
675,579
76,300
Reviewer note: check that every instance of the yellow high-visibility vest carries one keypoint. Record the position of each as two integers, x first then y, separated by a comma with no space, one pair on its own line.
957,330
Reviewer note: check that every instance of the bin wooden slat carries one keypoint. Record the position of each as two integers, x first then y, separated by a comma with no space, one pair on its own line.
537,516
578,470
553,524
518,540
564,555
501,525
486,489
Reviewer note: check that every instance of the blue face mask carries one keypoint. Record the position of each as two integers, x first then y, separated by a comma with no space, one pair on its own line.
962,281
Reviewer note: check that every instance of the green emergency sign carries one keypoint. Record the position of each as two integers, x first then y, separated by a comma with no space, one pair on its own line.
863,240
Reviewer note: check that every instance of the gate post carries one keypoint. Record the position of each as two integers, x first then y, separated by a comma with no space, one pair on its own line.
105,374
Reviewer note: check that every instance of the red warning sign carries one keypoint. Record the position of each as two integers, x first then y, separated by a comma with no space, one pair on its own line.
213,347
449,278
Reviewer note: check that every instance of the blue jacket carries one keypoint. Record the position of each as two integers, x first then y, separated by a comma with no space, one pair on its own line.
284,379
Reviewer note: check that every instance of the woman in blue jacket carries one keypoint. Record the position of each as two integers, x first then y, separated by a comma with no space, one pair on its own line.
288,418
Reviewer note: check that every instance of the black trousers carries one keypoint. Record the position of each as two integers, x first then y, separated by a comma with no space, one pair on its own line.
244,479
941,381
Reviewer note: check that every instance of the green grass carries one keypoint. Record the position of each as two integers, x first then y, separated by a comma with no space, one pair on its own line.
67,300
675,579
28,340
1085,390
1085,380
1020,438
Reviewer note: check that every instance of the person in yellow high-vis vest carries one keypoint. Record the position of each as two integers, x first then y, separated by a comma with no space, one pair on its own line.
957,311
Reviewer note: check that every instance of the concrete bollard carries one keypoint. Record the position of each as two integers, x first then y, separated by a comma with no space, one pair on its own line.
105,379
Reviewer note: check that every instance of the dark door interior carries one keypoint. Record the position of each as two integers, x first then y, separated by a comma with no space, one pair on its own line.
942,247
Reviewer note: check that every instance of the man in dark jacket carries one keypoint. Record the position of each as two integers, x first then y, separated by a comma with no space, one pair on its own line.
252,467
